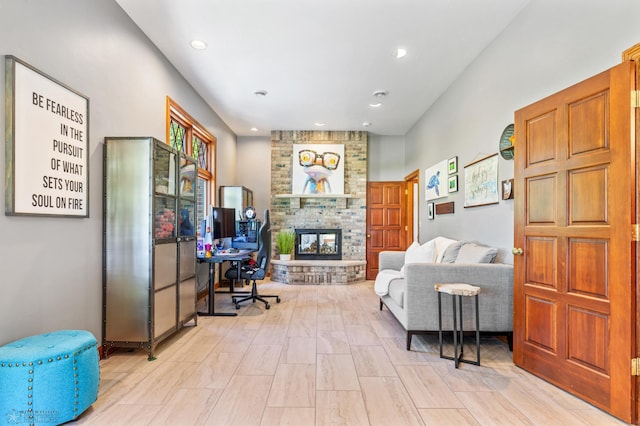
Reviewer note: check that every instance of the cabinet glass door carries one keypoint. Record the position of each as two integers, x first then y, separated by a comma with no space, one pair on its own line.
188,217
187,223
188,178
165,217
165,202
164,164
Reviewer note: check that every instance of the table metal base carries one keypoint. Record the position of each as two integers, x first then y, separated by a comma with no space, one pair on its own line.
458,358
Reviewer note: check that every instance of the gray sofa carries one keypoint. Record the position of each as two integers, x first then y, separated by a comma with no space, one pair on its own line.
414,302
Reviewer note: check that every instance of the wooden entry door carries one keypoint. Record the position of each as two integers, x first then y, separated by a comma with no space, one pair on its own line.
386,206
574,293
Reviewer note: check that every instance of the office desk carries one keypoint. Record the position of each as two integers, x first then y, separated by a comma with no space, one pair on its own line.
242,255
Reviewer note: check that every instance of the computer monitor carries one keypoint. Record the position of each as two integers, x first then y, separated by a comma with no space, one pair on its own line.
222,223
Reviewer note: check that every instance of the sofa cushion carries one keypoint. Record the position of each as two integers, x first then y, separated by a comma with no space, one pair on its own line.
441,245
397,289
412,250
417,253
476,253
451,252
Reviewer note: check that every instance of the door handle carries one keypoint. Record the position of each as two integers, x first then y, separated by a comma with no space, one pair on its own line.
368,235
517,251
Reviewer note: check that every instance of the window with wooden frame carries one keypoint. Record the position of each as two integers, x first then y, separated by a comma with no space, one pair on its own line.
189,138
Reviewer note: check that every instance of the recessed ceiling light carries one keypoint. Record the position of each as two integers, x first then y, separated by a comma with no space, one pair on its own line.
380,93
319,124
375,105
260,93
401,53
366,124
254,129
198,44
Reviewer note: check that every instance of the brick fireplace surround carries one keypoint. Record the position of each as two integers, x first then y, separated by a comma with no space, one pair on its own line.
347,212
318,271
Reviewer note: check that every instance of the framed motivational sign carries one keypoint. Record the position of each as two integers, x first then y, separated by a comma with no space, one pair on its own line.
47,146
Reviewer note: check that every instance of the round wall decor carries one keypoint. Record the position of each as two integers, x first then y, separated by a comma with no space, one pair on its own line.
506,143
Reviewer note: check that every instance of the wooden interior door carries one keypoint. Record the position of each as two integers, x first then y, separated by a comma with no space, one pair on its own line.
633,54
574,294
412,185
386,204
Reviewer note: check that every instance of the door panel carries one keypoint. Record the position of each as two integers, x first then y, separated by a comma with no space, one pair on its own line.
573,289
394,216
588,267
541,315
376,216
543,190
588,196
385,221
541,269
376,239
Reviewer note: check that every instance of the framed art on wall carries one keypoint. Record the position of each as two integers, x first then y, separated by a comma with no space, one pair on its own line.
318,169
507,189
435,177
453,183
481,182
453,165
47,145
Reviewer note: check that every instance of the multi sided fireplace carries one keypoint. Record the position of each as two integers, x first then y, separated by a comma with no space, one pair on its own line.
318,244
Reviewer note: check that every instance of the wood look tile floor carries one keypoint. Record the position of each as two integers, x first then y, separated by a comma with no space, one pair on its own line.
325,355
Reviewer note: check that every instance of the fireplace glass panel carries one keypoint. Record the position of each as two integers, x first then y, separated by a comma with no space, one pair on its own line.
327,244
318,244
308,243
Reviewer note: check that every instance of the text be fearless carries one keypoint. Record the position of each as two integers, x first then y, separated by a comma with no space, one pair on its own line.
56,108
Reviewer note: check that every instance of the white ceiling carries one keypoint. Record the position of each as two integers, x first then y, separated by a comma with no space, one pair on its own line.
321,60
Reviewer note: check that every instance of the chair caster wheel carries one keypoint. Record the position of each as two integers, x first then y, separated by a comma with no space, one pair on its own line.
277,299
267,306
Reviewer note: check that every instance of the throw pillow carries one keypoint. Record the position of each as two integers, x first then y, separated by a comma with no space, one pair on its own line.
441,245
420,253
413,248
417,253
476,253
451,252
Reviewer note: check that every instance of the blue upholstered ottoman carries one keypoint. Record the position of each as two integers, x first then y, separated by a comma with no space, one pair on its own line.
48,379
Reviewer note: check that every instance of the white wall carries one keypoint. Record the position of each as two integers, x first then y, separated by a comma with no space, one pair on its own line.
254,169
51,268
551,45
385,158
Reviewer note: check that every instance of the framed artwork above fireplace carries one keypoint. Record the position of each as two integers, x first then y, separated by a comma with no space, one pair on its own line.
317,169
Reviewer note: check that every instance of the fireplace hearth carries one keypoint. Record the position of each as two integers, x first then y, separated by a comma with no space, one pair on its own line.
318,244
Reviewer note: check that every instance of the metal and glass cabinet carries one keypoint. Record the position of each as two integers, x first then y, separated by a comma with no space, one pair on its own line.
149,242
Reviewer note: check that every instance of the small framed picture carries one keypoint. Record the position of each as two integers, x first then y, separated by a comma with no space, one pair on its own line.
430,211
453,165
453,183
507,189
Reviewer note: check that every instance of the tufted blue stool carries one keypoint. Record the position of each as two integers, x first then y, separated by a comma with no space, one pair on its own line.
48,379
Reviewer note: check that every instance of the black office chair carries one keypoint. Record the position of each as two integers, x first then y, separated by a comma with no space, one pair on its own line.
250,272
